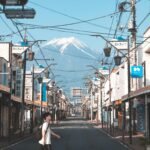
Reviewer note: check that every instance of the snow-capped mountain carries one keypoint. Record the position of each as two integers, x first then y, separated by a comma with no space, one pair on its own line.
72,57
63,44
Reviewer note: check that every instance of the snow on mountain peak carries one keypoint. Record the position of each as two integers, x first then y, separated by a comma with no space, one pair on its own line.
63,43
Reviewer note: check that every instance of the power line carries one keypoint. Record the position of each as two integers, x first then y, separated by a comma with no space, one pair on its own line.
7,25
142,21
71,55
75,18
72,71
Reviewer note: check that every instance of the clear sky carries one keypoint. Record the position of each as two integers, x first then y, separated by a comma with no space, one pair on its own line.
58,12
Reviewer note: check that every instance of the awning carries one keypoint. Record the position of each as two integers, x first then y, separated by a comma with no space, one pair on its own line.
17,99
117,102
141,91
38,103
4,88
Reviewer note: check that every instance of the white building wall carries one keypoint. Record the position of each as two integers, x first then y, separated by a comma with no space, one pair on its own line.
146,55
119,82
123,80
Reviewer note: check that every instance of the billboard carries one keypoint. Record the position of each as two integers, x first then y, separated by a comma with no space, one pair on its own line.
76,92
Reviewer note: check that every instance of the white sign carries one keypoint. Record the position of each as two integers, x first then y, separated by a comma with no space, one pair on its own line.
38,70
45,80
5,51
121,45
104,72
18,49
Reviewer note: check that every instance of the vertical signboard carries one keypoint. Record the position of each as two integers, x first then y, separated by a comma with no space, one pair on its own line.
19,79
140,117
44,92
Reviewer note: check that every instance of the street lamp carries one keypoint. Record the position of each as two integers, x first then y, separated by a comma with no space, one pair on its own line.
29,58
30,55
107,51
20,63
47,73
40,80
117,60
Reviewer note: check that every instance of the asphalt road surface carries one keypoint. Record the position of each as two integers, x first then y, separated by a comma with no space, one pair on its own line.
76,134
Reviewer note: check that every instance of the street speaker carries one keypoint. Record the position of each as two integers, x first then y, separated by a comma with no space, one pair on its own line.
13,2
19,13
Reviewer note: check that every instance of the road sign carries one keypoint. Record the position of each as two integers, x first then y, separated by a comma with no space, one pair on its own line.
120,45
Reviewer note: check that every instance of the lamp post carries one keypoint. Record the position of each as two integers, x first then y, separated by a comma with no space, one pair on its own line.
31,56
22,64
102,78
117,60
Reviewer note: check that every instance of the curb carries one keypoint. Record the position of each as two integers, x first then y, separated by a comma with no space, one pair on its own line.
13,142
120,142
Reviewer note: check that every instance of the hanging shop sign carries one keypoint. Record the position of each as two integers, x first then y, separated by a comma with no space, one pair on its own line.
136,71
44,92
121,45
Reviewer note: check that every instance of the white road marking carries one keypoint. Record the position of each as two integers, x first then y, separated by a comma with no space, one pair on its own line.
18,142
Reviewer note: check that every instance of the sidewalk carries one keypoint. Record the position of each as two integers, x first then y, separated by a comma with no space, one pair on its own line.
137,140
4,142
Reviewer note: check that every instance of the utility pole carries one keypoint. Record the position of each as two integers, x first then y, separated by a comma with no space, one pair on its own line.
133,61
32,109
133,30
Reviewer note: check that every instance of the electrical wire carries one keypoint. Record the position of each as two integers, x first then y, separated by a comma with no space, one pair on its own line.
72,71
75,18
143,20
7,25
81,57
74,23
60,28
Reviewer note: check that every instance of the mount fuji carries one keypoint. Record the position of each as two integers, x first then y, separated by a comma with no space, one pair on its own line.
72,57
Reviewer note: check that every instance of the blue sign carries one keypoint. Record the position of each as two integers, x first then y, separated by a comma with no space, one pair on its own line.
24,43
136,71
44,95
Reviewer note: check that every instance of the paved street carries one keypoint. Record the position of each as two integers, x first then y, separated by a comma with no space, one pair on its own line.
76,134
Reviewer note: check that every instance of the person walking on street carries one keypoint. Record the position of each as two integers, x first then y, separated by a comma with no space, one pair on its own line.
45,141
